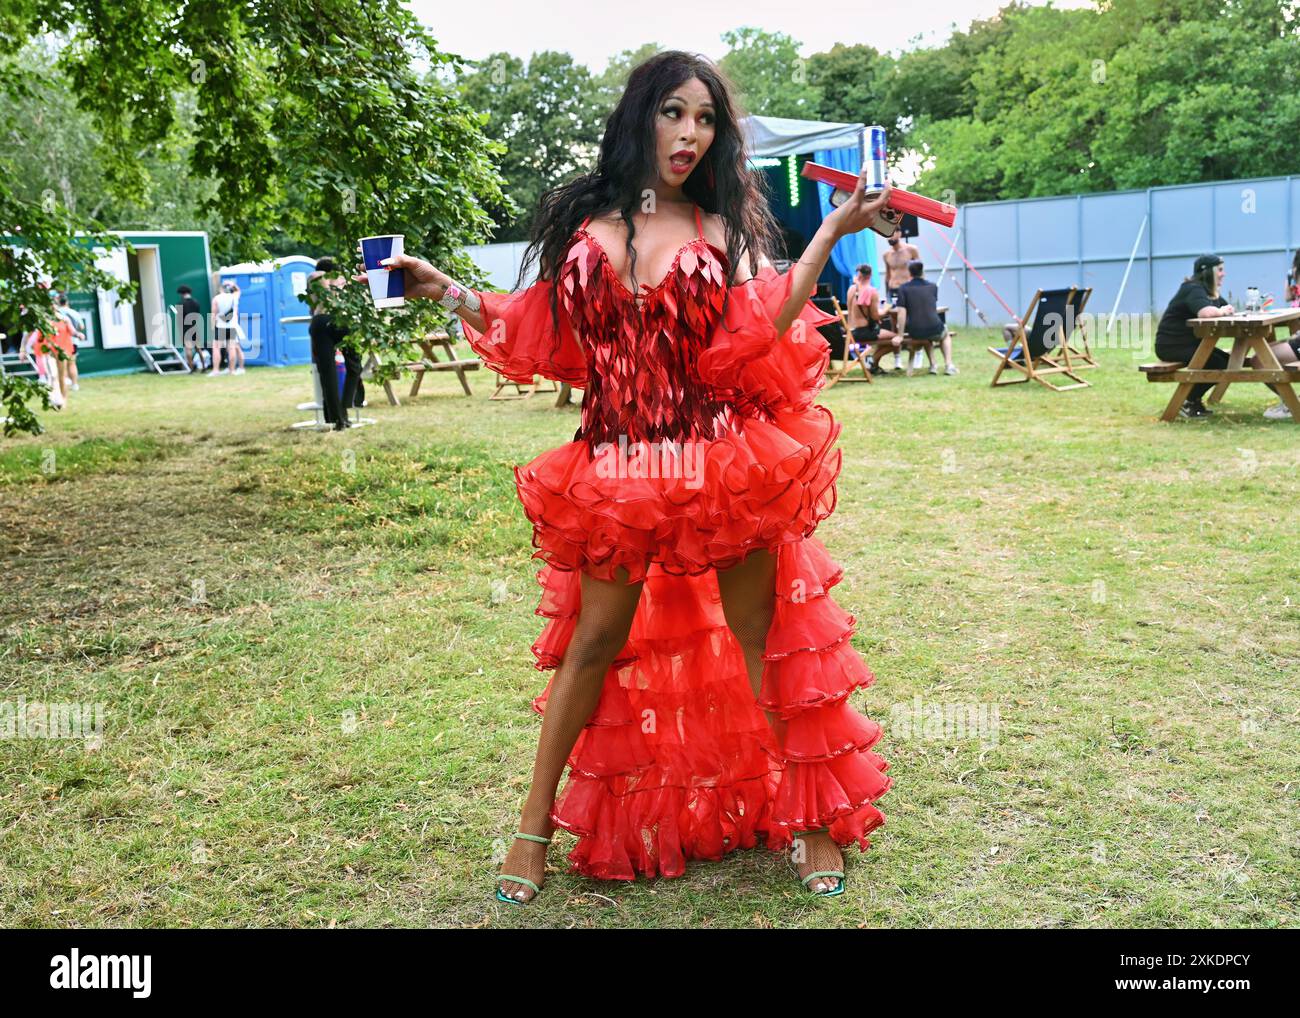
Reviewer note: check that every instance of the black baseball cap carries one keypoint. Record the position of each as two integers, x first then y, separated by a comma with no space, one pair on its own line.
1205,262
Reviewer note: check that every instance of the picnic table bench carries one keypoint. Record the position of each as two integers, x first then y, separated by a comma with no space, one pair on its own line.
1250,332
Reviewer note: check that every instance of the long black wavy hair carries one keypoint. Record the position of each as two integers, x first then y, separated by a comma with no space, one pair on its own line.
721,181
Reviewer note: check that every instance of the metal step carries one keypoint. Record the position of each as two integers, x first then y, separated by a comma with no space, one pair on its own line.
16,366
164,360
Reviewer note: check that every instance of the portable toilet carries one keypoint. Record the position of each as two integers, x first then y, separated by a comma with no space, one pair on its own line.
271,310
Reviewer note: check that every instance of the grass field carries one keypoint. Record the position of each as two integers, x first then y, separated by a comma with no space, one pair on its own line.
316,697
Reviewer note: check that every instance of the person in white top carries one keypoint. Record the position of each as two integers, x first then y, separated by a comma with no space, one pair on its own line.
225,318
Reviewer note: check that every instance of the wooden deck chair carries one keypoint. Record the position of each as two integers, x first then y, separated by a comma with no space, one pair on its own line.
839,336
1039,347
1081,358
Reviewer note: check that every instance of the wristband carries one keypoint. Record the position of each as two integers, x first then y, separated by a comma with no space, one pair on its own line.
455,297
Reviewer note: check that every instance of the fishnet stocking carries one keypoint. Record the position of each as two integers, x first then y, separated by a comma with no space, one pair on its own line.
748,593
817,853
602,628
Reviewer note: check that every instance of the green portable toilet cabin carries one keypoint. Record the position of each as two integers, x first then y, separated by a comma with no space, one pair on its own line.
160,262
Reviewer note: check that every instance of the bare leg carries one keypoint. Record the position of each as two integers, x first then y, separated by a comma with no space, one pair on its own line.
748,603
50,362
1285,355
604,621
886,343
946,347
65,384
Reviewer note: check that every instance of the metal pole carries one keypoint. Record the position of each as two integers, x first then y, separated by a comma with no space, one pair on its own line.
1127,269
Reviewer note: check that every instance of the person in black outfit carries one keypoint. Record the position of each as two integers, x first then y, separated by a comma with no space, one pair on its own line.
919,318
325,338
1197,297
192,331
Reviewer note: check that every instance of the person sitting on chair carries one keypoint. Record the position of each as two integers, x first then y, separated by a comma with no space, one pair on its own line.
865,320
918,316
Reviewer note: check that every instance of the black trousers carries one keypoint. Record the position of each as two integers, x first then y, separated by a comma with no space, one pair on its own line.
325,339
1184,352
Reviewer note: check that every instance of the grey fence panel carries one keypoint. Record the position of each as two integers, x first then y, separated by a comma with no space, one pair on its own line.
1085,240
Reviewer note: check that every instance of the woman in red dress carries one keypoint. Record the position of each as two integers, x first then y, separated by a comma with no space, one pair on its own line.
702,670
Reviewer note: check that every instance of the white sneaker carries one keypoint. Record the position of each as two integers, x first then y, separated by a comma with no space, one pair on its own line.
918,359
213,374
934,369
76,387
238,371
951,369
1281,412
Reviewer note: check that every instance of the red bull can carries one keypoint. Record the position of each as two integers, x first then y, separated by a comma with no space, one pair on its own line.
873,158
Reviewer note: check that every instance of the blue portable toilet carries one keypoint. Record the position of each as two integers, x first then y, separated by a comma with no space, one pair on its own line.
271,311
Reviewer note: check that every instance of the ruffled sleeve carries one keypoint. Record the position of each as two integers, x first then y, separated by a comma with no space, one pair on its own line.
746,359
520,340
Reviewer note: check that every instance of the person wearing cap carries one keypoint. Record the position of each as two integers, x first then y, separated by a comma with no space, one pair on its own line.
1197,297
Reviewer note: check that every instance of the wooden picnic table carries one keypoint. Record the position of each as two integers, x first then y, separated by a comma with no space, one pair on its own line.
430,361
1250,332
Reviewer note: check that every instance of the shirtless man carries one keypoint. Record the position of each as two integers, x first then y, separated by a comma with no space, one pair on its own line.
896,259
866,323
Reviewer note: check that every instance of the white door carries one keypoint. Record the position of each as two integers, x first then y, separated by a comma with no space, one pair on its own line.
117,322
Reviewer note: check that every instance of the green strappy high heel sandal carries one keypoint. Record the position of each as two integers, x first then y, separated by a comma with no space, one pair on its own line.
839,886
521,880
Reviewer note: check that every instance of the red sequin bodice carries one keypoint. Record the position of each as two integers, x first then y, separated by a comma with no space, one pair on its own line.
642,354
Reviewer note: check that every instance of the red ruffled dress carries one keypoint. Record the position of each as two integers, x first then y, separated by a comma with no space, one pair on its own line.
699,442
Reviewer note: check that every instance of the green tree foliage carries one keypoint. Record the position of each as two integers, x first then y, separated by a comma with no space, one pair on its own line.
855,85
1136,93
54,150
773,79
311,117
548,115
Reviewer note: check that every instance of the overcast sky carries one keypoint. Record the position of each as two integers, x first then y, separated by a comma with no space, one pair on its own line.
595,30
